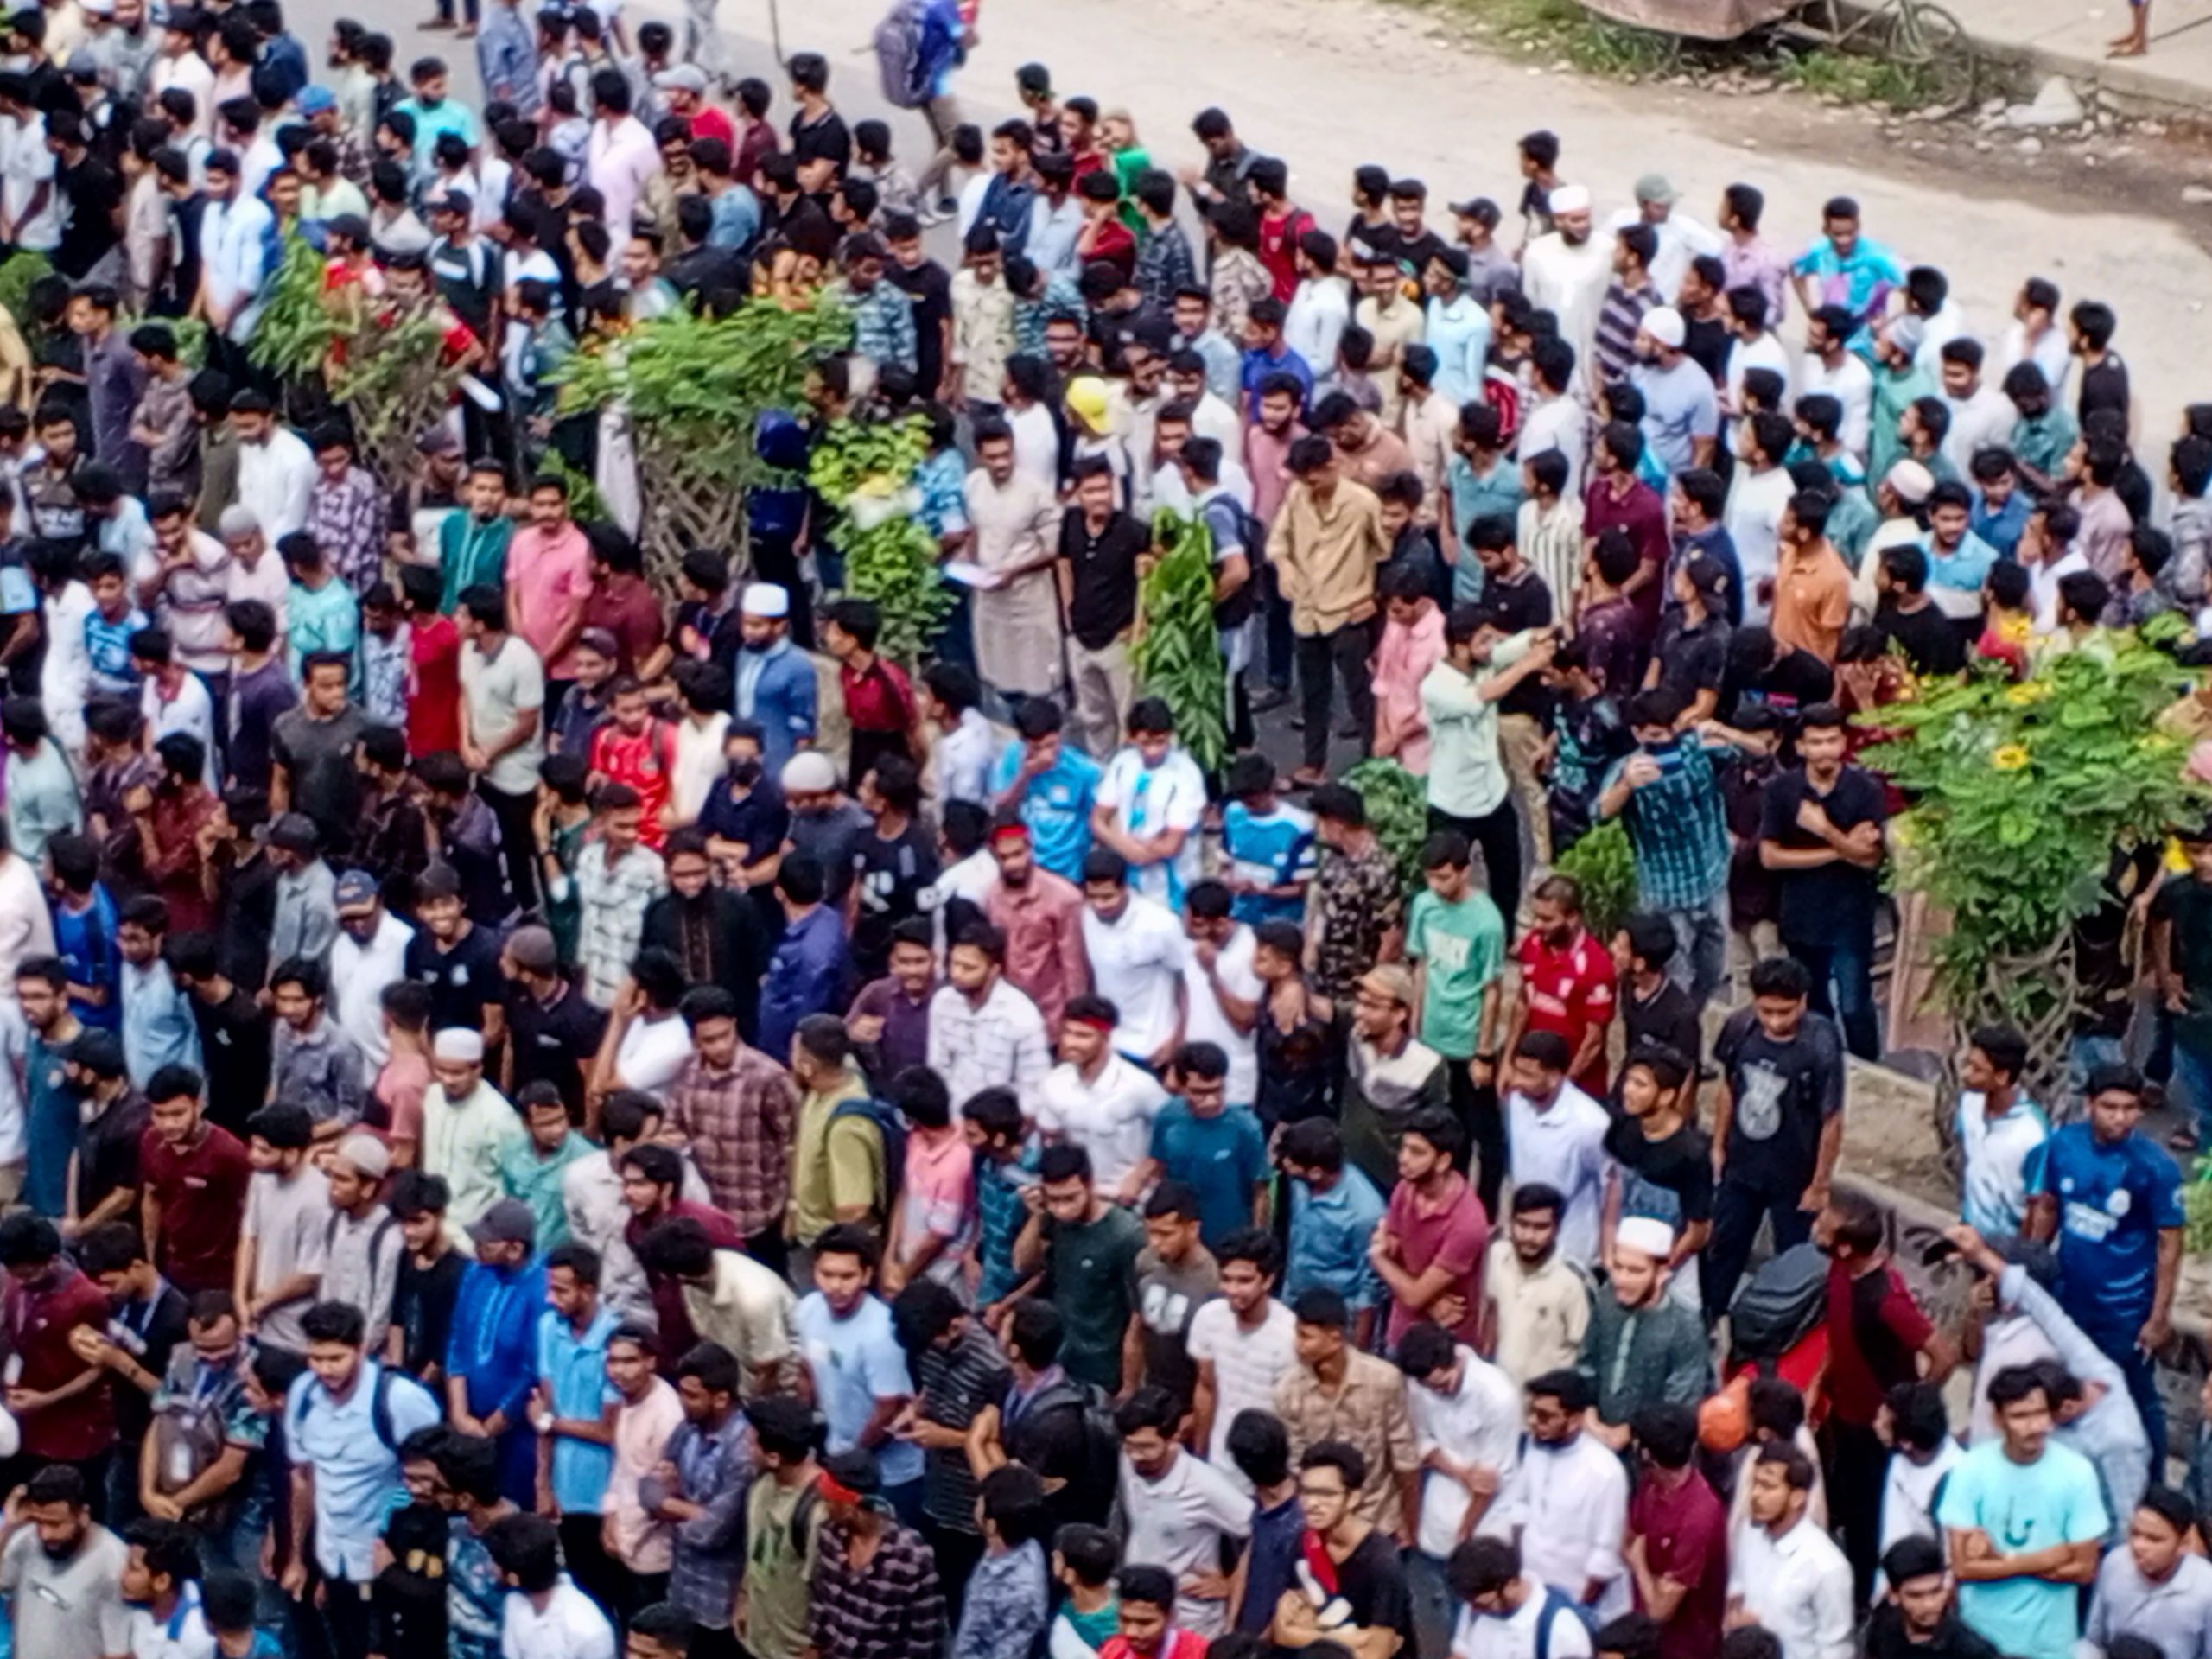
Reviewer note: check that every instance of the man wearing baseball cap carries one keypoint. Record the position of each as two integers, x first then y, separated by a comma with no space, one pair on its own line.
368,953
491,1359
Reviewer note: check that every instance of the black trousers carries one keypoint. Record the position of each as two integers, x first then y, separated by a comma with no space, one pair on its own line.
1856,1464
1477,1109
956,1554
1344,654
517,840
344,1617
1737,1212
597,1574
1497,834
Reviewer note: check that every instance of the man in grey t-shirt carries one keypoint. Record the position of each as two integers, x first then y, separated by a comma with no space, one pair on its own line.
287,1232
62,1573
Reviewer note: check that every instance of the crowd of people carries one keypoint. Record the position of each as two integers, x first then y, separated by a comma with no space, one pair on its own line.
541,1113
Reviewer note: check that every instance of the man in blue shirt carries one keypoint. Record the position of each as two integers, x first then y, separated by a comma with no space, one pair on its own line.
774,679
1334,1212
344,1423
1220,1151
491,1356
1270,846
1267,355
573,1404
2111,1199
807,973
1051,784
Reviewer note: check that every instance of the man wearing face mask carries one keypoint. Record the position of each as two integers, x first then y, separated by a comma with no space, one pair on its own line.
775,681
715,931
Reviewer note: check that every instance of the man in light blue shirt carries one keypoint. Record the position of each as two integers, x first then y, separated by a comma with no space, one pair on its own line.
238,247
158,1029
2000,1132
344,1422
1334,1213
861,1380
574,1399
775,680
42,794
1052,784
320,613
435,114
1681,415
1458,329
2024,1520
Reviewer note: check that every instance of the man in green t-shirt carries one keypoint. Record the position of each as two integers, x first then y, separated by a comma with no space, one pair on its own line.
782,1516
1085,1249
1456,940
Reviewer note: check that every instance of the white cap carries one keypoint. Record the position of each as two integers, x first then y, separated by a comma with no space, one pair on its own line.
368,1155
1664,324
459,1043
808,773
1567,199
1911,481
1646,1235
764,599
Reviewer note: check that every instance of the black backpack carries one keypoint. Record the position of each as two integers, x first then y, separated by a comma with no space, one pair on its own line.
1102,1441
1777,1307
885,1118
1222,516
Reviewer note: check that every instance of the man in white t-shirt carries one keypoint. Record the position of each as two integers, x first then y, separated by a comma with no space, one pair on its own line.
1177,1509
1556,1134
1511,1614
1222,993
1098,1100
1467,1415
1137,951
1243,1342
1148,805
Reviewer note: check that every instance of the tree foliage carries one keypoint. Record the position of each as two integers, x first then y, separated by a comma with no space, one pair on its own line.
1177,652
864,471
2020,794
695,389
1604,865
1397,811
298,325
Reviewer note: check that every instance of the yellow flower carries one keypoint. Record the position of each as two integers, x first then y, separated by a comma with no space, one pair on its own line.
2033,691
2010,757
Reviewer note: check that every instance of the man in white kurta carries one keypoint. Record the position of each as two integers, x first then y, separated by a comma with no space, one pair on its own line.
1017,603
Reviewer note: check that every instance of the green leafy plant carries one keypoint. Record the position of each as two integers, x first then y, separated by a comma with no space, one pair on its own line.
1397,811
1177,652
585,502
865,470
1604,865
395,381
695,390
292,340
2021,793
17,272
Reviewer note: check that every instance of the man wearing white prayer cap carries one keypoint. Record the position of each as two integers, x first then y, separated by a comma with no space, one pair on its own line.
775,680
465,1122
1643,1347
1566,272
364,1243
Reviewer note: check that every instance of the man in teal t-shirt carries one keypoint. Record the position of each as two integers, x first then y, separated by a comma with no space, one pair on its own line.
1456,939
1220,1151
2022,1496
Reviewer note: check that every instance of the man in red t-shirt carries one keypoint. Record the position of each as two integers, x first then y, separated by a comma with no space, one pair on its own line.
1878,1338
683,86
196,1175
1566,983
433,664
879,698
1677,1536
1429,1249
636,749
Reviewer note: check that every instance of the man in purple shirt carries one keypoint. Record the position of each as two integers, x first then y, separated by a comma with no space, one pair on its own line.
890,1018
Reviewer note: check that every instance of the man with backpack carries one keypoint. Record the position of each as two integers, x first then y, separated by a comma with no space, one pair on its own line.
1511,1614
344,1421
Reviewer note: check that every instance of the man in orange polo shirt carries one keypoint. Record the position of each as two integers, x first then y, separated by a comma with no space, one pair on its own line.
1812,584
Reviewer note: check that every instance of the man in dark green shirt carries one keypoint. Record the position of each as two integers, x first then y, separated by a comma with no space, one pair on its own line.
1086,1249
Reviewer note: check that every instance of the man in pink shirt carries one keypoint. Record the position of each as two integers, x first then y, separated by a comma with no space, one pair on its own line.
934,1217
1429,1249
1041,915
548,582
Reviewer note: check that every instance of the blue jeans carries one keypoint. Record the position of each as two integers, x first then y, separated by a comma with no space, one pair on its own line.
2192,1086
1849,964
1700,958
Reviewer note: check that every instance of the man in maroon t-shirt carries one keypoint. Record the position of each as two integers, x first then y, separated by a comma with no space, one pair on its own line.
1429,1249
1878,1338
1677,1536
62,1405
652,1186
195,1174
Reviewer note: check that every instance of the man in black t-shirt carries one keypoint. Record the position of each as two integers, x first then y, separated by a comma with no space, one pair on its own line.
1360,1569
930,286
1663,1161
1655,1012
1099,548
1908,617
91,196
458,959
1779,1124
892,861
1822,833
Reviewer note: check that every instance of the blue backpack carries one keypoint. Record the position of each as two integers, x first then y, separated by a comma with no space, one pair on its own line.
892,1128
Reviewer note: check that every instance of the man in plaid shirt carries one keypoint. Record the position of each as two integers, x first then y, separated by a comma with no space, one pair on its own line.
1667,796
